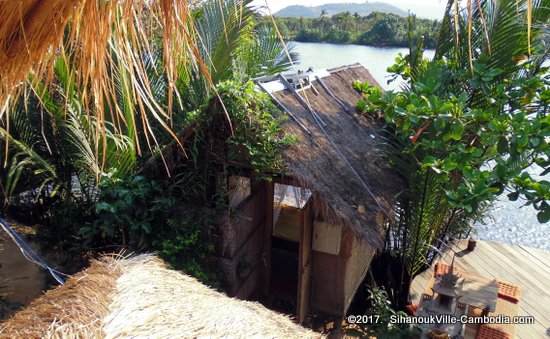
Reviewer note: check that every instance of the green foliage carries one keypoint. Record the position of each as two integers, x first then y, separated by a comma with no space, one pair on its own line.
481,138
382,313
468,125
126,211
473,150
50,143
52,135
257,132
164,216
87,194
186,243
233,47
375,29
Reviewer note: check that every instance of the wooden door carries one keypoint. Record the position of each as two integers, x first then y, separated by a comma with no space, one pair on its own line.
304,265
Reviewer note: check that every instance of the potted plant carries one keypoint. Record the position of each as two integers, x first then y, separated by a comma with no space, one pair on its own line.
471,244
438,334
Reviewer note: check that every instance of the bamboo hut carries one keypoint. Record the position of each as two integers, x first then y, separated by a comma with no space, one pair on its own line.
307,237
140,297
302,241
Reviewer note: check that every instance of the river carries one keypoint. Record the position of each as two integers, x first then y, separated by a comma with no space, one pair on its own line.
507,221
376,59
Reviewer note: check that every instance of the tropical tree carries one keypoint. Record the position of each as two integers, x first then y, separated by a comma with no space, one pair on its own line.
109,133
233,46
74,148
376,29
51,144
468,127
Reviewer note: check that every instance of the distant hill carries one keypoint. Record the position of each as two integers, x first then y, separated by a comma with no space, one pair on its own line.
331,9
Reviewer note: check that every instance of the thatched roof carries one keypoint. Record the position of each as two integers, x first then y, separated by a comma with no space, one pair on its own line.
345,165
140,297
29,28
35,33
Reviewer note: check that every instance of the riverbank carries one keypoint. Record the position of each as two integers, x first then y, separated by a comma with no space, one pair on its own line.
375,29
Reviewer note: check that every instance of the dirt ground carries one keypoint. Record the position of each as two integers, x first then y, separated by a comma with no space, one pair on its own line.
20,280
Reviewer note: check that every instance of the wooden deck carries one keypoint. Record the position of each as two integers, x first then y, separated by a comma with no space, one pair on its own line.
526,267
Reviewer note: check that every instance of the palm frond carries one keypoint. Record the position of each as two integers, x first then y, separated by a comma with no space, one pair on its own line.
502,31
266,53
223,25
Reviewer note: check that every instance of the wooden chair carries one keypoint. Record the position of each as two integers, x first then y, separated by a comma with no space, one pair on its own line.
441,269
509,292
460,308
488,332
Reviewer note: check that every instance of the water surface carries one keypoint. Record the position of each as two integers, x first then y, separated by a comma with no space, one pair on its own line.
376,59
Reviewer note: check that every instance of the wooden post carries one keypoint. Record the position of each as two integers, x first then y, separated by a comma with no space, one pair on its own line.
304,266
268,233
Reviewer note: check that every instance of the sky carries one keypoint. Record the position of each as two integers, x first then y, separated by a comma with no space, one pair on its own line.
422,8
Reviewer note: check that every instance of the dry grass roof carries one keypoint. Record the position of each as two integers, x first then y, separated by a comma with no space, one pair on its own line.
35,33
316,162
140,297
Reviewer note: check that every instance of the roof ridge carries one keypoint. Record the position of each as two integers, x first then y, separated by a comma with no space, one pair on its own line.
344,67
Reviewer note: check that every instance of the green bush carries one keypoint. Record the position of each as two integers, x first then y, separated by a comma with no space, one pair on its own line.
257,124
186,243
126,211
143,214
381,312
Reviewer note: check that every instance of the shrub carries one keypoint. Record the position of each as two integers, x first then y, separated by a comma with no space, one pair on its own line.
143,214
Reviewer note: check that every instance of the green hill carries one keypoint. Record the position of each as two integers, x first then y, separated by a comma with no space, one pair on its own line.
362,9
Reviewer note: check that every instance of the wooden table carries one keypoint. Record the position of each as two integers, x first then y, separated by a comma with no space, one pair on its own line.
479,292
471,289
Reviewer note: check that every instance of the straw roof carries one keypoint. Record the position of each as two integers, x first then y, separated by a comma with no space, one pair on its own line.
347,162
29,28
96,37
140,297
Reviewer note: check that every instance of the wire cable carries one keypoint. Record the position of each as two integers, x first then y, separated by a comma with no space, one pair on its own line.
29,253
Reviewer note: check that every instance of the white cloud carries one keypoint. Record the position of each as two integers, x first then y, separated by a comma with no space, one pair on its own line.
422,8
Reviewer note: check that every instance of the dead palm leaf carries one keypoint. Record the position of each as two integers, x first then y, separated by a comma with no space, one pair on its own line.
34,33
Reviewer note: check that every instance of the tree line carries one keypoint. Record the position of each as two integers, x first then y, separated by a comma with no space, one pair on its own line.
375,29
